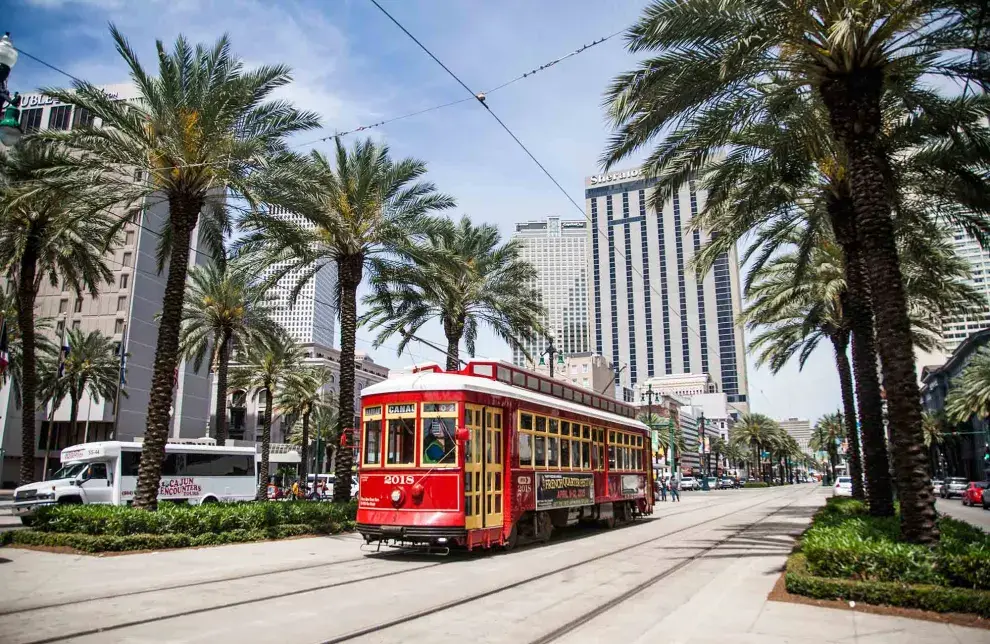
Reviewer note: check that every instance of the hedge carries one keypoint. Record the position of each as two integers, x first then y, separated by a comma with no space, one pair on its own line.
110,528
941,599
845,542
755,484
171,519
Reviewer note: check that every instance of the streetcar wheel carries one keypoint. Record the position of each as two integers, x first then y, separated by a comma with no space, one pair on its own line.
512,541
609,523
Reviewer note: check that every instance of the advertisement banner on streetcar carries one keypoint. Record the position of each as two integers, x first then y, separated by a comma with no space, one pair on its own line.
564,490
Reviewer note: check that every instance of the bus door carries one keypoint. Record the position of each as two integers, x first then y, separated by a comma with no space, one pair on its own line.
483,475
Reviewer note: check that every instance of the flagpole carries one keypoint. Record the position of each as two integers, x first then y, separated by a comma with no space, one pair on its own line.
120,381
51,416
89,411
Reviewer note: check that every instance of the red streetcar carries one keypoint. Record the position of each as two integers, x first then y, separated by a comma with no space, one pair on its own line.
494,454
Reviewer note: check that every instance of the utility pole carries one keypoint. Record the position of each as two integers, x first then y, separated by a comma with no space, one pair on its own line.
704,462
649,412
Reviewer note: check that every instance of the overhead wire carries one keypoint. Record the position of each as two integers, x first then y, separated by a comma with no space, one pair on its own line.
599,231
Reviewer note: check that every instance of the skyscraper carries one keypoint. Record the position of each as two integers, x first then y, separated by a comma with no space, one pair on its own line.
311,318
558,249
649,313
957,328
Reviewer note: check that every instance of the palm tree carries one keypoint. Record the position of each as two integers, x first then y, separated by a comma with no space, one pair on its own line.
661,430
45,234
934,426
464,276
45,349
224,308
267,368
298,399
828,432
203,133
361,207
755,432
758,54
969,393
91,366
323,427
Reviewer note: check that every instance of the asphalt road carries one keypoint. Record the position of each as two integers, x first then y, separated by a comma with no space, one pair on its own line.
955,509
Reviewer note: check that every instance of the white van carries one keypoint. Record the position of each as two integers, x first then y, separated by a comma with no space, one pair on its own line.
194,471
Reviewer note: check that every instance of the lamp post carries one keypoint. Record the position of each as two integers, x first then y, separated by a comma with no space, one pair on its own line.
704,462
550,352
10,129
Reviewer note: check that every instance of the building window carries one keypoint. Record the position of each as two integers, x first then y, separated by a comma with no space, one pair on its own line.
124,278
76,324
31,120
121,303
60,327
63,306
118,326
129,238
128,259
139,175
58,117
82,118
78,307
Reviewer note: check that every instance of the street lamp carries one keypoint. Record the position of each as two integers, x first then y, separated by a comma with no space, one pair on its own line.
550,352
10,129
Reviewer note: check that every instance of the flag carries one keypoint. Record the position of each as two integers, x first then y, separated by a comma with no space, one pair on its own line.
123,358
4,349
62,357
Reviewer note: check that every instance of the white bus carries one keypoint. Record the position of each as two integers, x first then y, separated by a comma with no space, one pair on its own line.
194,472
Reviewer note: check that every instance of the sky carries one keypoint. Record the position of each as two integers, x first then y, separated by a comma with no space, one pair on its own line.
354,67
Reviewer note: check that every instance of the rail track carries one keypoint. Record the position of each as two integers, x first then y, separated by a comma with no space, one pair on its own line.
352,635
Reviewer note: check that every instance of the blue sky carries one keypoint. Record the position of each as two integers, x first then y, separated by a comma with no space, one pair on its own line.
354,67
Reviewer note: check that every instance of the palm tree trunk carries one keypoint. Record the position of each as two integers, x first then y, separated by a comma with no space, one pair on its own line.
73,416
859,313
266,446
454,331
839,344
349,273
223,362
853,103
26,295
304,465
183,213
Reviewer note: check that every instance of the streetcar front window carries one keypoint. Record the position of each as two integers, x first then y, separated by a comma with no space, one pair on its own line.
439,429
401,441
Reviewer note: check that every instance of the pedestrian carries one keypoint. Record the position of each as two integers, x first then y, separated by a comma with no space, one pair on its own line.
675,495
663,489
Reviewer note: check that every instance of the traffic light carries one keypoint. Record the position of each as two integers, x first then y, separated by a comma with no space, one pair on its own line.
986,454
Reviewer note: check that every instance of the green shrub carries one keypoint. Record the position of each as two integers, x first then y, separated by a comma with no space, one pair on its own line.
192,520
799,581
863,549
755,484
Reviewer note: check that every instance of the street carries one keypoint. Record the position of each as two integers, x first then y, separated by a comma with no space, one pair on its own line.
954,508
697,571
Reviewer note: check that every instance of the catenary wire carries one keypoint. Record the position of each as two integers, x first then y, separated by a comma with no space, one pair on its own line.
543,168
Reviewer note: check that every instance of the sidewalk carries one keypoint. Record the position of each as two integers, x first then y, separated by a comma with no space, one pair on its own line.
723,599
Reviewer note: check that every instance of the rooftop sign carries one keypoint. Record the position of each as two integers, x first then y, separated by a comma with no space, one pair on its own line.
599,179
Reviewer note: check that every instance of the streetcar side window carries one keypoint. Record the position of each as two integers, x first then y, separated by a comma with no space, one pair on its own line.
373,435
525,440
565,452
540,449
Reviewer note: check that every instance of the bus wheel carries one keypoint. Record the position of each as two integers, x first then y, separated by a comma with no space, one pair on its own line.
208,500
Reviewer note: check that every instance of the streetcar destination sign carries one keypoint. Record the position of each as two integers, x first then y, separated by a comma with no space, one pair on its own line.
564,490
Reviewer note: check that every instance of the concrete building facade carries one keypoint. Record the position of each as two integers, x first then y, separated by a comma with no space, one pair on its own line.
125,310
648,309
558,249
799,429
586,370
311,318
957,328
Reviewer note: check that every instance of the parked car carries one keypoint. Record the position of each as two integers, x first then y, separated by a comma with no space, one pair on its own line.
712,483
843,486
986,498
953,486
937,485
726,483
974,493
689,483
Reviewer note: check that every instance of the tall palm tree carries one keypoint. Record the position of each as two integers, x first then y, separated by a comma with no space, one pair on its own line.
361,206
934,426
826,436
267,368
755,432
655,421
45,234
45,349
201,133
91,366
757,54
298,399
969,392
323,427
463,275
224,307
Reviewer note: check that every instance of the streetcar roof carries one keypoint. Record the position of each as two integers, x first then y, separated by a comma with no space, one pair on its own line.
439,381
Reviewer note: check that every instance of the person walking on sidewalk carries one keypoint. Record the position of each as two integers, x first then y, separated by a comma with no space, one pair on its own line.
675,495
663,489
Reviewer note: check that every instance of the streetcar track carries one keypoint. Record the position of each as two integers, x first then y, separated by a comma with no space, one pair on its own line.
597,612
234,604
494,591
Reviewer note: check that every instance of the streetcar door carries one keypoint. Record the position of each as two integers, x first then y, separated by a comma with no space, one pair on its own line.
473,493
494,480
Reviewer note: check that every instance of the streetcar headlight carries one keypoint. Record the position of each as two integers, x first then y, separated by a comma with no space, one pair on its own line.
397,497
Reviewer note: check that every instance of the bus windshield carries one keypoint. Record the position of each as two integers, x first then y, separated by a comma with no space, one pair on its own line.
69,471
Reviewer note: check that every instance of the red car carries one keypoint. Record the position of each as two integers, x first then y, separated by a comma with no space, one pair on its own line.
974,493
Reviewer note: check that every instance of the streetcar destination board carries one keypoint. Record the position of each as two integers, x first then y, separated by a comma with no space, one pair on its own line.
564,490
